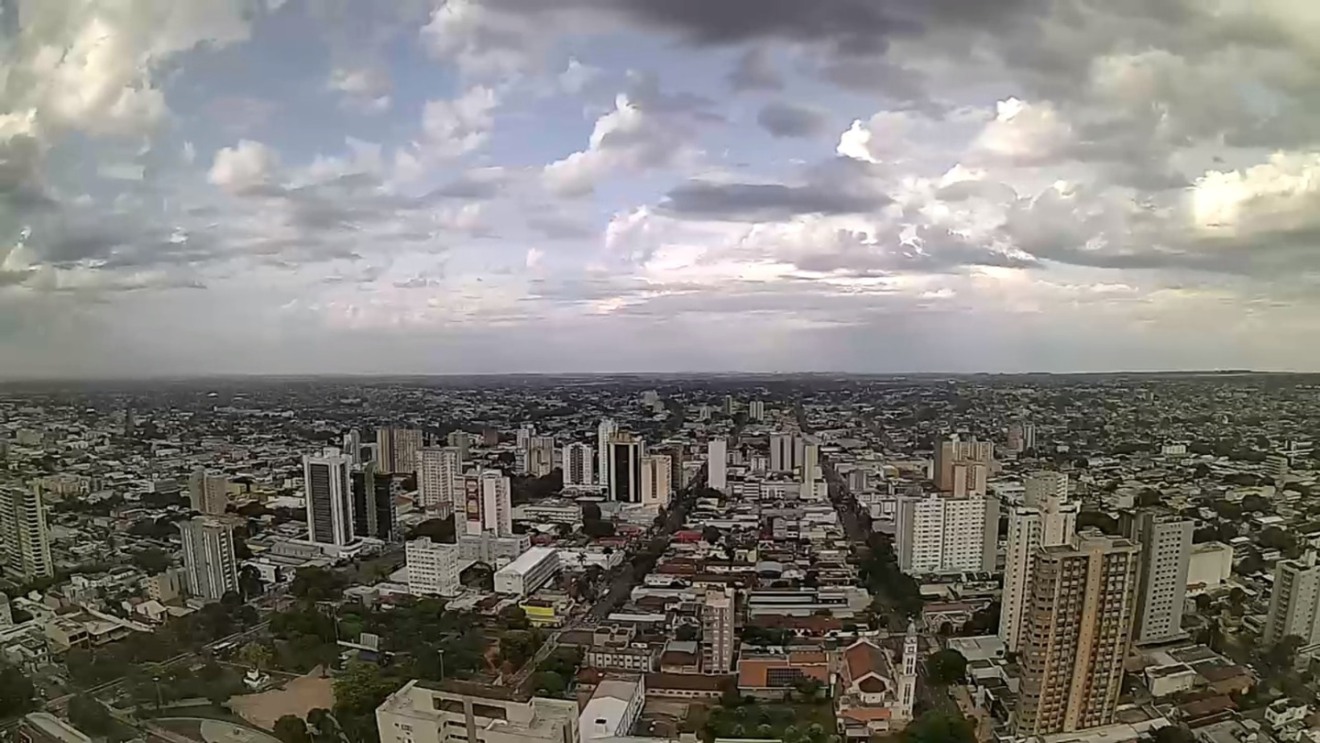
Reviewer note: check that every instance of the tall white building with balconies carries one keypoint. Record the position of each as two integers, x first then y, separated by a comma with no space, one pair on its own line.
578,471
717,458
939,534
208,557
439,478
1045,519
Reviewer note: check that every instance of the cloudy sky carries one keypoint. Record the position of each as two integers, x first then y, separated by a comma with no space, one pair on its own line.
302,186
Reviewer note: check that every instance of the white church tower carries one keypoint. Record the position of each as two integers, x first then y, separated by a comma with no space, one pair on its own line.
907,683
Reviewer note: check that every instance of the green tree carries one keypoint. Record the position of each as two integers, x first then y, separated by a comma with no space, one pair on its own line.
16,692
439,530
687,632
292,729
256,655
937,726
1174,734
152,561
90,716
550,684
946,667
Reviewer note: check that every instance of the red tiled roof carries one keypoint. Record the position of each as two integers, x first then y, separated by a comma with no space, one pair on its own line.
862,658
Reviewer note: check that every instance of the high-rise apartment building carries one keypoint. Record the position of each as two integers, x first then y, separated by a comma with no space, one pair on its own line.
209,564
353,446
657,488
462,440
374,514
24,539
328,482
1166,551
756,410
939,534
577,466
1045,519
523,446
1021,436
717,640
717,464
396,449
808,463
604,435
487,503
433,568
1079,627
782,452
954,452
208,493
540,455
439,477
1295,601
625,468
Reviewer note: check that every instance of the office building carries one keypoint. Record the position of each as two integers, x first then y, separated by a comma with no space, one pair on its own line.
939,534
730,406
657,487
439,477
1166,550
1079,627
625,468
24,538
1045,519
717,463
756,411
782,451
487,503
540,455
374,514
423,712
953,452
210,568
604,435
208,493
1293,601
328,482
432,568
529,572
396,450
717,641
577,466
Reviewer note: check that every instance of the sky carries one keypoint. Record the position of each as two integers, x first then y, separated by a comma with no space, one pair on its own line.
197,187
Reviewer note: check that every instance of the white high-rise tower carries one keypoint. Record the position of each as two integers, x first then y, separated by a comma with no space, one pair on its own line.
327,478
1046,519
604,434
439,477
208,557
24,539
717,458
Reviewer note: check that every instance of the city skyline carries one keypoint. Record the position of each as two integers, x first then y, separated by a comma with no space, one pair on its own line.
460,186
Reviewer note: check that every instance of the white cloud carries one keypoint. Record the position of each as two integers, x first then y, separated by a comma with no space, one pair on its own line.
627,139
243,167
461,125
364,89
876,140
577,76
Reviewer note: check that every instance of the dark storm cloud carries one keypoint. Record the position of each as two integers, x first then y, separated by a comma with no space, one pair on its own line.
790,120
755,71
761,202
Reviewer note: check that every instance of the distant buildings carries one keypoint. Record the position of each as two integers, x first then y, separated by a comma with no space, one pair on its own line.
540,455
1079,627
396,449
756,411
577,466
1295,601
1166,547
1045,519
717,619
433,568
809,463
782,451
942,534
717,457
439,477
657,488
24,538
624,454
210,568
963,467
207,493
328,483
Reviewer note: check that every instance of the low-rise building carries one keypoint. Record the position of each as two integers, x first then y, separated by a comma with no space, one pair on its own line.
529,572
424,713
613,708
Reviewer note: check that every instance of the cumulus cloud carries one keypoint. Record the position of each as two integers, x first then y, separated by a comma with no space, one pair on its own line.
245,167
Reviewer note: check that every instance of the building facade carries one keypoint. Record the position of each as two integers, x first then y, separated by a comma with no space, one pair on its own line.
604,435
374,514
954,452
1045,519
625,468
208,493
717,463
421,712
939,534
488,503
578,471
717,619
24,538
1294,608
396,449
1079,628
432,568
1166,550
657,488
210,568
439,477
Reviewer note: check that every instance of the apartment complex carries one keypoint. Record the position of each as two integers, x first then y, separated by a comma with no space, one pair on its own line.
24,538
1293,603
210,566
439,477
396,449
717,641
576,465
962,467
1078,629
657,487
939,534
1044,519
1166,550
208,493
488,503
433,568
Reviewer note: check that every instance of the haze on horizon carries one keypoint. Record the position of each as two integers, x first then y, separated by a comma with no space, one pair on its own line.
504,186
